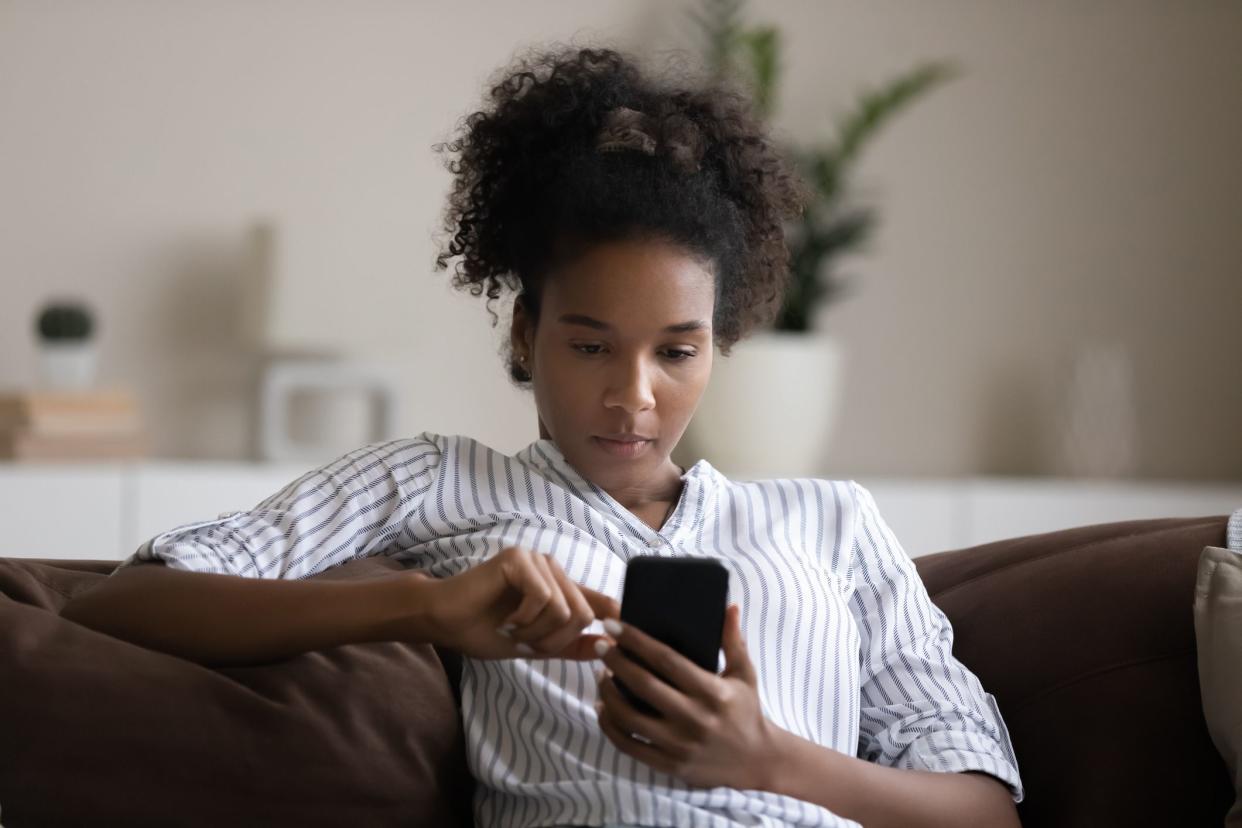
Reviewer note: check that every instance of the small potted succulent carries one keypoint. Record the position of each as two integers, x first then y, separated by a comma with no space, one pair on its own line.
67,345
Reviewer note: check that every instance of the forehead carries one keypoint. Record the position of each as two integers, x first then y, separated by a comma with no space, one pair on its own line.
635,283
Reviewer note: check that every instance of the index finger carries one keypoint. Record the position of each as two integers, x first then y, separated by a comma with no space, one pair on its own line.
602,605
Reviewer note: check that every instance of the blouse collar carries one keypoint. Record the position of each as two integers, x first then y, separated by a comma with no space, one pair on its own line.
697,492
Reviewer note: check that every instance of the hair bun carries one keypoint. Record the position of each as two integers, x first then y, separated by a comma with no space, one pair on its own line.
628,129
683,142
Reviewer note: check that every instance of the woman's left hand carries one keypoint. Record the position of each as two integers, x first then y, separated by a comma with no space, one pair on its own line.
712,731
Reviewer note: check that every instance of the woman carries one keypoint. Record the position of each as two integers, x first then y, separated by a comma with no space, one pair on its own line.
638,224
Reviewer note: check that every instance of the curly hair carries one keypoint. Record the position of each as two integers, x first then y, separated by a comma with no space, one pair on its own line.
578,146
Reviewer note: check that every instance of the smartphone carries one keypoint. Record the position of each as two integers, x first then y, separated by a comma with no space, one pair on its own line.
679,601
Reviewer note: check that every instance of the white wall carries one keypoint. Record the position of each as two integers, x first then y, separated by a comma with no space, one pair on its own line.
1081,179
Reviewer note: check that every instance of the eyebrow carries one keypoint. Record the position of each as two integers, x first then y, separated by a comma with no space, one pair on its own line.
591,322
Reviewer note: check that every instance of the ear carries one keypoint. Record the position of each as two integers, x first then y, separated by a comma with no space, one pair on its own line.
521,329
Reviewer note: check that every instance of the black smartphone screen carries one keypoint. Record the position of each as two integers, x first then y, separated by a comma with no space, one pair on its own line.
679,601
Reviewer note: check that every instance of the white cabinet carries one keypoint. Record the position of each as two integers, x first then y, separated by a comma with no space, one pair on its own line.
106,510
1002,508
935,515
61,511
165,495
925,515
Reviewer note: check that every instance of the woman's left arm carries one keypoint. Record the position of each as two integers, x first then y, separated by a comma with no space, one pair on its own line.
878,796
712,732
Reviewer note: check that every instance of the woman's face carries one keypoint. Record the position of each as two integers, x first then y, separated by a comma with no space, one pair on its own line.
620,356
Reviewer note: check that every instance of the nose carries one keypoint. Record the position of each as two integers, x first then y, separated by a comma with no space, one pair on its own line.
630,387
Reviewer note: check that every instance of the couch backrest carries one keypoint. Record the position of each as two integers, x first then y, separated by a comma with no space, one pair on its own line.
95,731
1086,638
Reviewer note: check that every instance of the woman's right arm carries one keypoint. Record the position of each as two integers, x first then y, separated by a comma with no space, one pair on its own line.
225,619
241,588
222,620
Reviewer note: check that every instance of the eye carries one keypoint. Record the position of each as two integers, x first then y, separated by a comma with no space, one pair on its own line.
588,348
679,356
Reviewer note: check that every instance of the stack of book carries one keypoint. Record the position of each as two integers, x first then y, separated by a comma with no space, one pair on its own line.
70,425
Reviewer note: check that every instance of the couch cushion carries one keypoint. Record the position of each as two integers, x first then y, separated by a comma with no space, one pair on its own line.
1218,631
96,730
1086,639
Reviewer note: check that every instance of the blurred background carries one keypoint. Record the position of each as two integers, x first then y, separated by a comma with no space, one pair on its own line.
239,191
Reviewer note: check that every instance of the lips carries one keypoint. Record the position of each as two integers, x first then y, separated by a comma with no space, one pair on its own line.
622,445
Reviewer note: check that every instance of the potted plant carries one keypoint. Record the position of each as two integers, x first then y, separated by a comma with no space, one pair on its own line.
66,345
786,381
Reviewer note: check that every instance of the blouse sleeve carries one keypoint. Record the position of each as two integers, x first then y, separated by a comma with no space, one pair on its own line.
921,708
355,506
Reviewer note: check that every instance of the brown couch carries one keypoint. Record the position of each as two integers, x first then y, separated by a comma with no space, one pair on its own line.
1085,637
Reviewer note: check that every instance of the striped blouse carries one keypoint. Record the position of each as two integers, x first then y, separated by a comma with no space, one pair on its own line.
850,651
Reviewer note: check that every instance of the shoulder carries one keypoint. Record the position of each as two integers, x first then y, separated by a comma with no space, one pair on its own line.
443,445
453,454
403,459
819,492
839,502
455,446
426,449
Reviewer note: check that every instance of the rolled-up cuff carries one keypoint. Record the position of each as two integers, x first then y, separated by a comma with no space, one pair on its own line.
184,548
954,752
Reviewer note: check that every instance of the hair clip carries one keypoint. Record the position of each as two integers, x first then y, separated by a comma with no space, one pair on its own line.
624,129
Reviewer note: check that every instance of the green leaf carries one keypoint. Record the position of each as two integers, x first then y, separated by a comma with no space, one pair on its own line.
830,226
762,45
876,108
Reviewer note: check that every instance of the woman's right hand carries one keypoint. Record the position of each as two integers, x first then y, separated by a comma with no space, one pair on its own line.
470,612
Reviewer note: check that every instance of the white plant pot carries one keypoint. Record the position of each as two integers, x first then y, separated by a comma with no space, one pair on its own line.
770,409
68,366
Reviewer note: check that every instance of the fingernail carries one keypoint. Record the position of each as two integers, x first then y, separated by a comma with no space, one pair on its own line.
602,647
524,649
612,626
506,629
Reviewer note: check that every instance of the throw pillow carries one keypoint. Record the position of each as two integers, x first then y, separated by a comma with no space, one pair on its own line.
1218,633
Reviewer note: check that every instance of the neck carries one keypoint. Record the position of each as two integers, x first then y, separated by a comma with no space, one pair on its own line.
664,489
651,505
652,499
